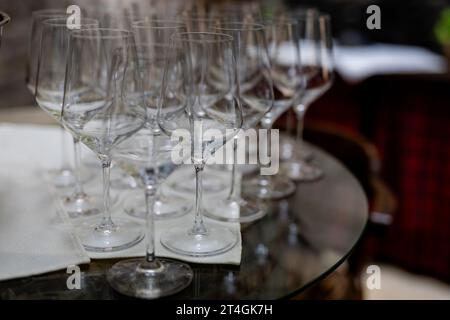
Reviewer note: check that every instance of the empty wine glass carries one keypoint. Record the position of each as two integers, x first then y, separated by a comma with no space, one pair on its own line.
144,156
256,92
152,37
288,83
4,20
200,96
37,19
63,176
317,60
102,107
51,68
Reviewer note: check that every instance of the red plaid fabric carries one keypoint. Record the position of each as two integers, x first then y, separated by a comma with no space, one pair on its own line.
413,135
408,119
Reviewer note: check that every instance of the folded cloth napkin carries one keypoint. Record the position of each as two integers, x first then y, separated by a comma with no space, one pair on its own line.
36,236
231,257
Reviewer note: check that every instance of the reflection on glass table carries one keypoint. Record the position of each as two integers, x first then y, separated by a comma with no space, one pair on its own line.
300,241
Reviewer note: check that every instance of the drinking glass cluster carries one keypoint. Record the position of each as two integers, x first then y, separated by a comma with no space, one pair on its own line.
124,84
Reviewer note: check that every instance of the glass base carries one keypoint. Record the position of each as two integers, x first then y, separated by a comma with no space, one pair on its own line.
234,210
165,208
62,178
270,187
65,178
83,205
289,149
123,182
182,241
301,171
163,278
98,238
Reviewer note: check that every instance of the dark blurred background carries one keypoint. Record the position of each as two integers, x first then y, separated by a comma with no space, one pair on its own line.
396,123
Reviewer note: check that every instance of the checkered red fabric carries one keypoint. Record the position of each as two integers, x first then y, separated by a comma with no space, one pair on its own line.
413,135
409,122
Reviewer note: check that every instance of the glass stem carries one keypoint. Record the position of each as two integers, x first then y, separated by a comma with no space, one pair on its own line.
233,192
289,126
77,150
150,195
300,126
265,179
106,165
64,160
199,227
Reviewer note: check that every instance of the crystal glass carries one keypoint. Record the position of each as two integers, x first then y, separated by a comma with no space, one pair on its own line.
144,156
256,92
64,176
317,59
288,82
194,21
135,156
103,106
200,98
4,20
51,67
152,38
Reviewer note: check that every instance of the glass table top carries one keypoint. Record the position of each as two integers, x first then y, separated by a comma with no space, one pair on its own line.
302,239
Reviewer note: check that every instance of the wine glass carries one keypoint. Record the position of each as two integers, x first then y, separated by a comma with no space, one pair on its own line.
317,59
117,18
51,67
64,176
37,19
288,82
200,98
143,156
152,37
212,183
103,106
4,20
256,92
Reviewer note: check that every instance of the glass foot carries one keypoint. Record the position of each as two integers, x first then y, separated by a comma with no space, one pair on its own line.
234,210
301,171
211,183
83,205
140,279
165,208
270,187
62,178
101,238
215,241
123,182
289,149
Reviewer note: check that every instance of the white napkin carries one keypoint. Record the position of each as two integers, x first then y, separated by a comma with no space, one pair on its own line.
36,237
231,257
356,63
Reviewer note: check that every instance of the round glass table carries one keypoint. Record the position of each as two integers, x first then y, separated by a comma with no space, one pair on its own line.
302,239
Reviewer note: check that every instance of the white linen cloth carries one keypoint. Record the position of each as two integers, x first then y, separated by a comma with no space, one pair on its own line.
36,236
356,63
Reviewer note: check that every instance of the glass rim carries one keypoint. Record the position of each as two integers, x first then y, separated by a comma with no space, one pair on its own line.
49,12
85,33
280,21
62,22
140,24
4,18
202,18
252,26
303,13
180,36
